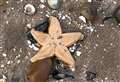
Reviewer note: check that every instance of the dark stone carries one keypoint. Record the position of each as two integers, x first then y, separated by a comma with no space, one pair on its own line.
90,75
60,73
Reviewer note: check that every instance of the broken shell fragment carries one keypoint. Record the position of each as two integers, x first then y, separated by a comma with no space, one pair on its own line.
54,4
29,9
83,19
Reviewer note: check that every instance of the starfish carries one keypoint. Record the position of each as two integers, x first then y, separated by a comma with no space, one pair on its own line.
55,43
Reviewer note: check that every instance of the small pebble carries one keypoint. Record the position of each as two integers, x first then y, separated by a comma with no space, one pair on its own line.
29,42
78,53
42,1
2,66
29,25
34,47
8,62
4,54
90,76
29,9
42,6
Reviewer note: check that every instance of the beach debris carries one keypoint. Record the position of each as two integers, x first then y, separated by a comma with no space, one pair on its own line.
83,19
29,9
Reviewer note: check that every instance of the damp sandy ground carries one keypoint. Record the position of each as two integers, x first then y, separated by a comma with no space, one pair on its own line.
100,50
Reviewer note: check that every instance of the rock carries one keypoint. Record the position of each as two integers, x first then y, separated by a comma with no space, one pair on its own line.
29,9
60,72
90,75
54,4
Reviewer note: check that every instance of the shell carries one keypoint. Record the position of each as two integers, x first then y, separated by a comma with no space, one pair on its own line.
54,4
29,9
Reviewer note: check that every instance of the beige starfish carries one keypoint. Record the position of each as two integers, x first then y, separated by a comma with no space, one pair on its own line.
55,43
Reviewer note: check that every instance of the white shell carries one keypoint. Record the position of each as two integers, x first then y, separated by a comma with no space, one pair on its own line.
29,9
82,18
34,47
54,4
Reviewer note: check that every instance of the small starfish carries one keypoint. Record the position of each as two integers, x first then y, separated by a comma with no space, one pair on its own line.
55,43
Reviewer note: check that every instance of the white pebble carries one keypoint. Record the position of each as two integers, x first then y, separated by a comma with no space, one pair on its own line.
42,1
78,53
34,47
8,62
4,54
73,69
106,78
12,8
42,6
18,61
63,17
2,66
29,25
82,18
30,46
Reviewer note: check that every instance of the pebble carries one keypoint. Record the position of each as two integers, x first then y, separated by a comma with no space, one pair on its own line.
29,25
42,6
42,1
78,53
54,4
2,66
8,62
34,47
29,9
90,76
4,54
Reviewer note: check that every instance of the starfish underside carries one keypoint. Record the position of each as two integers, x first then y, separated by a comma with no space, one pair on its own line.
55,43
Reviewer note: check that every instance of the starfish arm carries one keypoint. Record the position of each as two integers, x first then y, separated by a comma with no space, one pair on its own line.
64,55
69,38
45,52
40,37
54,27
